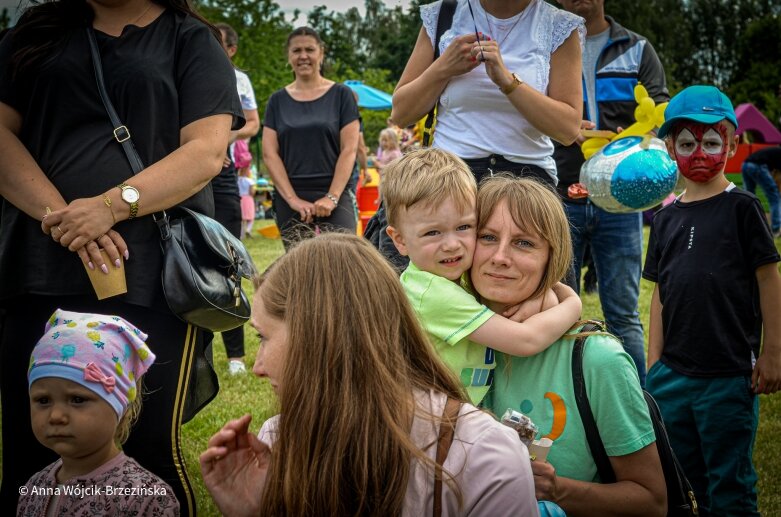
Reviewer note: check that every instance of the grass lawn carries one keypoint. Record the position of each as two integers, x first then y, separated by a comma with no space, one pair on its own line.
247,394
239,395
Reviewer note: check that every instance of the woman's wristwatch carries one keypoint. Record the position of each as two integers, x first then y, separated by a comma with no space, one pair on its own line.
130,196
333,198
516,82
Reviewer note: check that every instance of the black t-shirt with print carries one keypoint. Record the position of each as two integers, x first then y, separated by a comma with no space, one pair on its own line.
308,132
703,255
160,78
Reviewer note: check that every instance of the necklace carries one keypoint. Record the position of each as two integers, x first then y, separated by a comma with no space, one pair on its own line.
491,29
148,7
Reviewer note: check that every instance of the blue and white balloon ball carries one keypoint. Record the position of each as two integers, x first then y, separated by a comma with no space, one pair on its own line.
625,176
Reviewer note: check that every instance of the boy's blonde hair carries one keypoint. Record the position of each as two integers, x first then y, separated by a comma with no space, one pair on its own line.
534,207
430,176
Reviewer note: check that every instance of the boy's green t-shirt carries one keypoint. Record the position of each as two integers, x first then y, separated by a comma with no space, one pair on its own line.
449,314
541,388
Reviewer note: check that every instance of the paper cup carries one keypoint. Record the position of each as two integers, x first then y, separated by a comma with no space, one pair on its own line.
111,284
538,449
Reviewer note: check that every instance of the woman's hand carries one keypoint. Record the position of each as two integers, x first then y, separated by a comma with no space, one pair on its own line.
82,221
324,206
114,245
459,58
545,482
305,209
492,57
234,468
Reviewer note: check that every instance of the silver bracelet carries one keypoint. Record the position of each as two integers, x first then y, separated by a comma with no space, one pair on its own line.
333,198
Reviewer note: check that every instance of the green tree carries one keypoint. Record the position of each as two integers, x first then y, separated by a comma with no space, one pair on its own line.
757,76
263,31
5,19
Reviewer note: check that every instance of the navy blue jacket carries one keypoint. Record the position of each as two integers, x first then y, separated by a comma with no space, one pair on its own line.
626,59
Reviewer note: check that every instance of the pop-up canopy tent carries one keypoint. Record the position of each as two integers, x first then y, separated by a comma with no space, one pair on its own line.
370,98
751,119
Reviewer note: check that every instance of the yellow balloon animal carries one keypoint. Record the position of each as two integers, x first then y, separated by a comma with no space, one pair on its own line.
648,115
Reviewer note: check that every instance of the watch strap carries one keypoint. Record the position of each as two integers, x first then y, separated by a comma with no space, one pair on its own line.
517,81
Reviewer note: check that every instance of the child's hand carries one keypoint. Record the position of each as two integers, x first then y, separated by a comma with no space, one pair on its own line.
566,295
766,377
562,292
531,306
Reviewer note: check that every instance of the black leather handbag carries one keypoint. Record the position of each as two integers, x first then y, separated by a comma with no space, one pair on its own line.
203,264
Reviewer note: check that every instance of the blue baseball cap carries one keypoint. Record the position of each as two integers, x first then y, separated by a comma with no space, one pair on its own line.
700,103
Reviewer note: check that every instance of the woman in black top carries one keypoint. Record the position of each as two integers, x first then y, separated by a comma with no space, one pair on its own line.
310,137
174,89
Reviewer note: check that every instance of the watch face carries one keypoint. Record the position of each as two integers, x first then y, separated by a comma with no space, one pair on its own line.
130,195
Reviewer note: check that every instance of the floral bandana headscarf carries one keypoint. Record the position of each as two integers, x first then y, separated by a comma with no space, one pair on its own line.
105,354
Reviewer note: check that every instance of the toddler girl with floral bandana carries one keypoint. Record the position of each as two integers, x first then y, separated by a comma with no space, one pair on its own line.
84,382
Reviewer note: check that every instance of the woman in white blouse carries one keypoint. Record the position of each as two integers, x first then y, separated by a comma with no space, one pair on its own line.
501,98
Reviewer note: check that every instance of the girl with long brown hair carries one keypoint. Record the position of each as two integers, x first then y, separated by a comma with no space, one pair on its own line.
361,397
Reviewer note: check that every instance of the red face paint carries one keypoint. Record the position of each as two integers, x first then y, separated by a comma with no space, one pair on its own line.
701,150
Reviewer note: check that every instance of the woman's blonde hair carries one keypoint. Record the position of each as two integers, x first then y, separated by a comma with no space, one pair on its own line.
534,207
355,354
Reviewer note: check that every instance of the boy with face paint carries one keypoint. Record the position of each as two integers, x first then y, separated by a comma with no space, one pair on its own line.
712,256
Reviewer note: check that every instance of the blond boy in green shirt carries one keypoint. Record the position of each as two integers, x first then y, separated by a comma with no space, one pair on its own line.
430,200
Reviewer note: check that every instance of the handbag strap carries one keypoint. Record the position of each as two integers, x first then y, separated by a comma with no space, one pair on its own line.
121,132
446,431
444,21
604,468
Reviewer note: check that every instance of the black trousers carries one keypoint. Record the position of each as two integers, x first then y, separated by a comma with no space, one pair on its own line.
227,211
155,440
342,218
493,164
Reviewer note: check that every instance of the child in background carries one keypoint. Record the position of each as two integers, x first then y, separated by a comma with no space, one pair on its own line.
712,256
84,381
388,150
430,198
243,160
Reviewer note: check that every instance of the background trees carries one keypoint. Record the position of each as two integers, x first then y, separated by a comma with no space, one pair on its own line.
734,44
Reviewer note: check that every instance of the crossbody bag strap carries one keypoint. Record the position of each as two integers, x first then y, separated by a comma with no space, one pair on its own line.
446,431
604,468
444,21
121,132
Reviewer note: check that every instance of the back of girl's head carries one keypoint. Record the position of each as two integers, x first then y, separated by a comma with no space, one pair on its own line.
355,353
105,354
534,207
429,176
